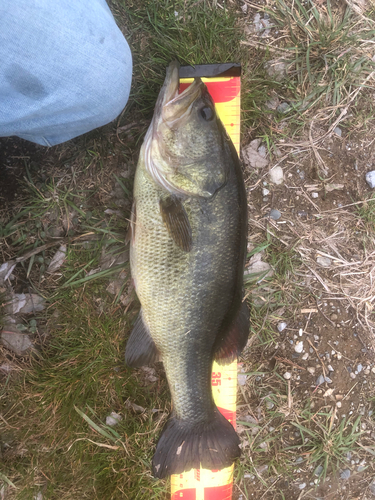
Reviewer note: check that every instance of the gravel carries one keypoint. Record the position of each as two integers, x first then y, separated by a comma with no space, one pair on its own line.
337,131
113,419
275,214
276,175
318,470
370,179
281,326
345,474
16,341
299,347
324,261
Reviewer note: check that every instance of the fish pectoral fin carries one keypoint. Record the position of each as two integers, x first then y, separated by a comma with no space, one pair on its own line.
140,348
230,345
177,221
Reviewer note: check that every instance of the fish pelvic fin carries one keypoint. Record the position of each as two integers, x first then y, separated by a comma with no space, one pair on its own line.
229,346
177,222
210,444
140,348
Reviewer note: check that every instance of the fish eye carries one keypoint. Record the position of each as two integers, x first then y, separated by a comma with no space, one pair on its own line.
207,113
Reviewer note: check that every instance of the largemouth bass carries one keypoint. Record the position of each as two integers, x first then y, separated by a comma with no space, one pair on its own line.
188,243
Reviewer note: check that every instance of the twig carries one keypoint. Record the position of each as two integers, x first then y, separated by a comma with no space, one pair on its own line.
290,399
264,46
101,445
332,418
319,278
349,391
40,249
323,365
322,313
272,485
338,352
286,361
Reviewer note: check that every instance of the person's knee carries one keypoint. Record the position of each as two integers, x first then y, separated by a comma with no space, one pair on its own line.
111,90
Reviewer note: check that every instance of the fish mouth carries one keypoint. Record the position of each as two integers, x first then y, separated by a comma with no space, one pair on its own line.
172,106
172,110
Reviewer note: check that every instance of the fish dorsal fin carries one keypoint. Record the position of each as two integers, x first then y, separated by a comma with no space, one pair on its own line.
230,345
177,221
140,348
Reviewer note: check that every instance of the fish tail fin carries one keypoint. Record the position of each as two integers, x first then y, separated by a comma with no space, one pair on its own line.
210,444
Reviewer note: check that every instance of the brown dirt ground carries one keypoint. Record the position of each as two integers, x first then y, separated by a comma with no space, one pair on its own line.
307,224
334,329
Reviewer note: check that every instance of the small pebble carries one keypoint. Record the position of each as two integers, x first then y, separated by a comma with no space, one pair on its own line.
334,317
311,370
359,368
366,372
318,470
370,178
328,380
281,326
373,369
320,380
330,368
287,375
302,486
305,356
324,261
338,404
113,419
316,337
265,191
275,214
299,347
345,474
276,175
339,355
352,375
314,195
283,107
337,131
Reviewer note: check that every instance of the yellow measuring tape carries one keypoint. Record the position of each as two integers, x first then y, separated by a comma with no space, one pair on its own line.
203,484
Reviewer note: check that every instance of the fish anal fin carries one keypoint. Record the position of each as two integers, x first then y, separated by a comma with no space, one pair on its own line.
211,444
232,343
177,222
140,348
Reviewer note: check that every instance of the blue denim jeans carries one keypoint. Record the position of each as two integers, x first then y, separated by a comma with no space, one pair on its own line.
65,68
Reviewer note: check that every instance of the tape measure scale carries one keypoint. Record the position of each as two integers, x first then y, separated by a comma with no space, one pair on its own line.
226,93
203,484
